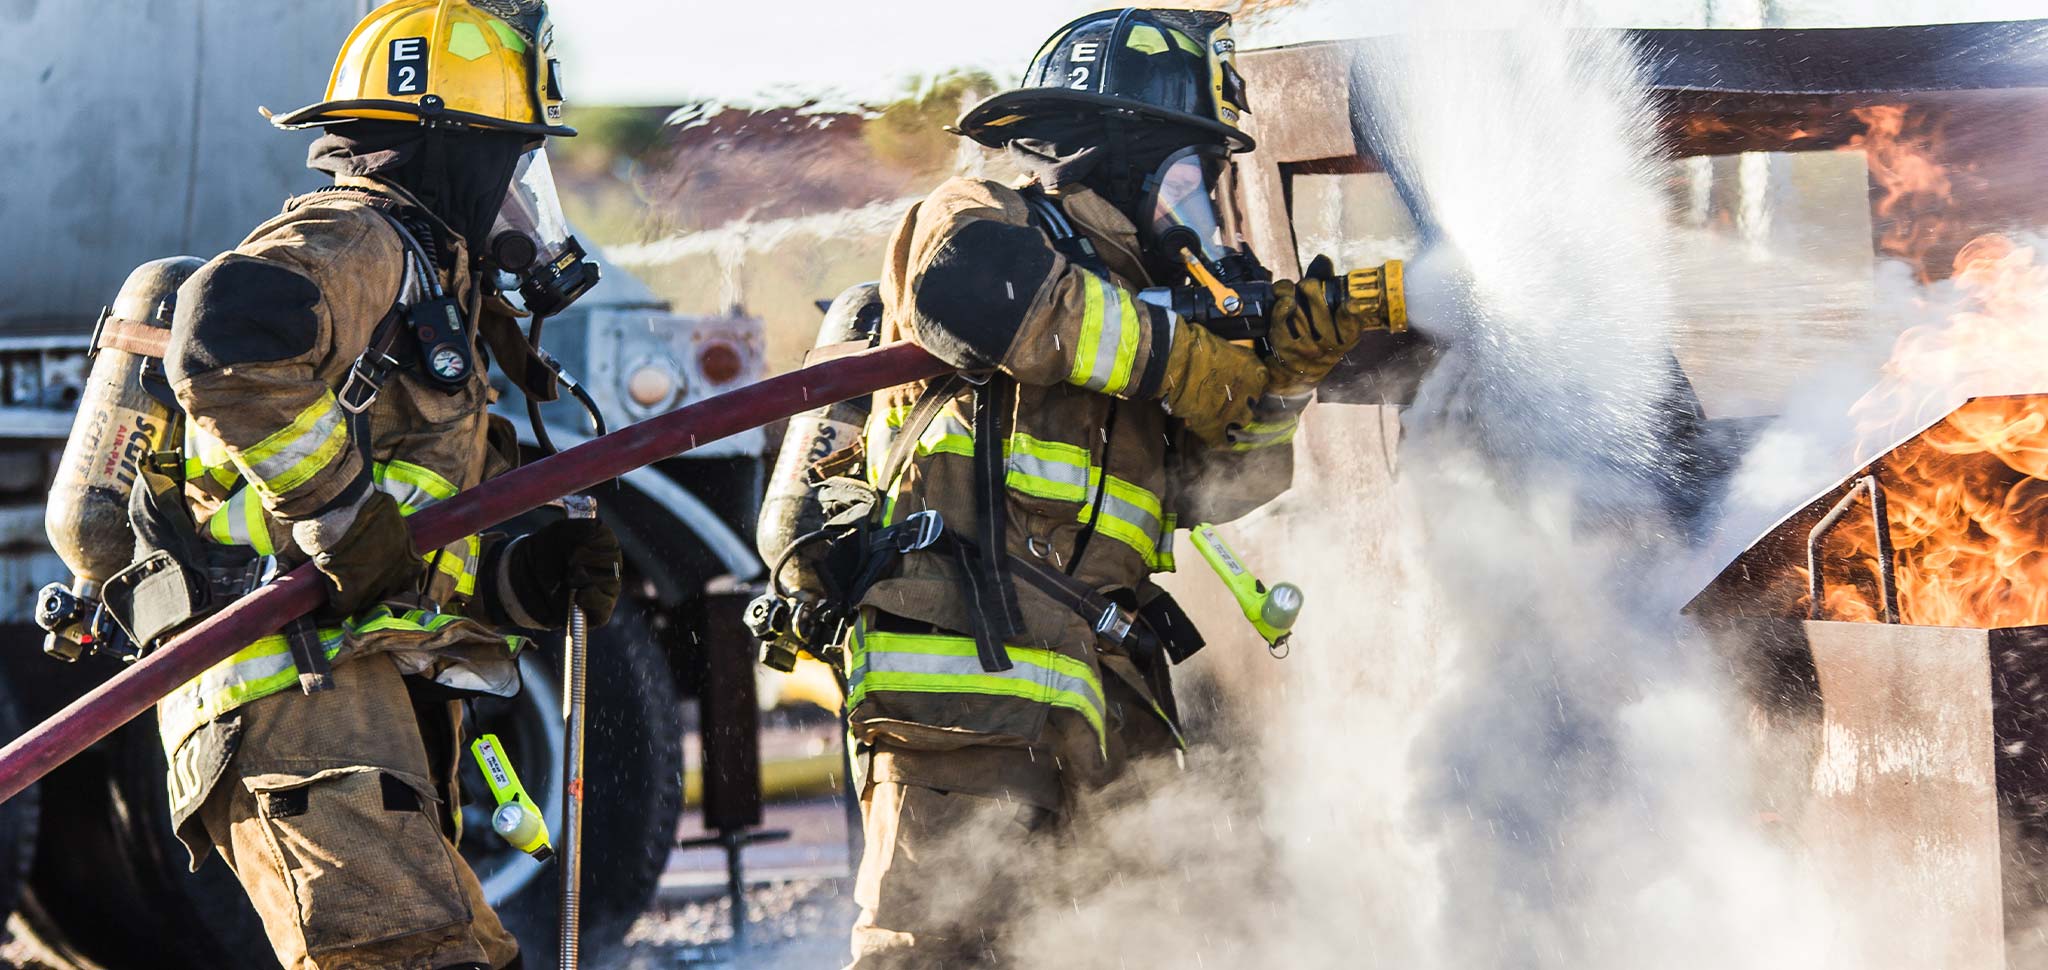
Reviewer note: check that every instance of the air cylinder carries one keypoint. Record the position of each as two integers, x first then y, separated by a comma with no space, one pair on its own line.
790,509
119,423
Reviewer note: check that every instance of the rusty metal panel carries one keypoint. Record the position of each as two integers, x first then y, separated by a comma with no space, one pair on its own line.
1301,102
1903,825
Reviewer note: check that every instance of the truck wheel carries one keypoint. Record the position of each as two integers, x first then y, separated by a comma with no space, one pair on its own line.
18,820
633,768
110,887
110,890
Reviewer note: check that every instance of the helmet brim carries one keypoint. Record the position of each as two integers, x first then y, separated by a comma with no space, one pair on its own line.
336,112
1029,104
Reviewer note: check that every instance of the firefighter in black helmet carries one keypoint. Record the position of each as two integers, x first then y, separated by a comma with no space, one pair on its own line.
1015,657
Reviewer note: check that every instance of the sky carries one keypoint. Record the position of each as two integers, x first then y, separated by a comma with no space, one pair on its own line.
672,51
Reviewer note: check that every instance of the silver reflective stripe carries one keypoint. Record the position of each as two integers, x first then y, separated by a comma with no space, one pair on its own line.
1133,513
285,460
1110,337
1060,472
897,662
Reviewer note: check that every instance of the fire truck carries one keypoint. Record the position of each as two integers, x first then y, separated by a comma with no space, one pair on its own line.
142,139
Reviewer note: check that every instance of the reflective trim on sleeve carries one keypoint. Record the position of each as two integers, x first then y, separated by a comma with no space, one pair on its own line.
241,521
927,663
292,456
207,457
412,486
1264,434
1108,345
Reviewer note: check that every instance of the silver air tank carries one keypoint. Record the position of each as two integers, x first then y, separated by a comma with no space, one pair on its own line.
790,509
119,423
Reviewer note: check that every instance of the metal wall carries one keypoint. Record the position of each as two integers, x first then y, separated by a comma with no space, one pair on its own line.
130,131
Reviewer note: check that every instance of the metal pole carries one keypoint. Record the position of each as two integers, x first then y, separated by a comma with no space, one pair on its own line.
134,690
575,678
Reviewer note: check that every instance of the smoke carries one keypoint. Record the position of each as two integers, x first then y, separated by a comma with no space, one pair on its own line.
1496,743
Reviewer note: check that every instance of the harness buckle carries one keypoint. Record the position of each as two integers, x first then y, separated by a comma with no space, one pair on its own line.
1114,624
924,529
368,373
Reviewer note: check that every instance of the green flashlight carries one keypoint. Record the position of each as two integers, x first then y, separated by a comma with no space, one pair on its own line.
1271,610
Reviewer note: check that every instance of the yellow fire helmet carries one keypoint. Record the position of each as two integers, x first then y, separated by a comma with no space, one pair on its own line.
1157,65
478,63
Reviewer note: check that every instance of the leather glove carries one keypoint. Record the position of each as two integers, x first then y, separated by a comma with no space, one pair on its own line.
1210,383
566,558
1307,337
373,560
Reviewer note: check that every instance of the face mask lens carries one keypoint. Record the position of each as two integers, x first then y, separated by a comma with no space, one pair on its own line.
1184,206
531,212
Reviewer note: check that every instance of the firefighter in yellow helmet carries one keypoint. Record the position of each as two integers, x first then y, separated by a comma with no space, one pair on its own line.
330,374
1015,654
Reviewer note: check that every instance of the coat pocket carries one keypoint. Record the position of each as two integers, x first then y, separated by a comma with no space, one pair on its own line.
362,855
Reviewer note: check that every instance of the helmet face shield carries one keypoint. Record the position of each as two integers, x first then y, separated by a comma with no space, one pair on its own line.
531,240
1182,196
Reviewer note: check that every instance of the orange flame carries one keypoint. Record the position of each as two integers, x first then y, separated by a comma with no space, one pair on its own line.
1968,498
1913,190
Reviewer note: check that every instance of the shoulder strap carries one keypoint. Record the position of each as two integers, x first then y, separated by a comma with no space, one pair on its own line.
1052,220
921,416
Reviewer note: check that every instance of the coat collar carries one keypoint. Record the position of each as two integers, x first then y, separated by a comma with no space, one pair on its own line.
1105,225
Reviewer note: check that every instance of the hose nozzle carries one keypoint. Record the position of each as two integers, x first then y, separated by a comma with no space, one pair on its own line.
1382,294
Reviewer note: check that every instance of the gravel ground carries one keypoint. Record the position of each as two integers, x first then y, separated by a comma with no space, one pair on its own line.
795,925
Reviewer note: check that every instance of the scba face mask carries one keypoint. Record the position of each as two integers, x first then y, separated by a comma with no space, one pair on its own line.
531,240
1185,230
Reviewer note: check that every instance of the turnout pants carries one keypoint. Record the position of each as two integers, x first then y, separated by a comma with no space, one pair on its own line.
336,817
955,837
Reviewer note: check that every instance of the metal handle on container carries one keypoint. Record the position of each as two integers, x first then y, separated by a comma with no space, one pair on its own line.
1887,581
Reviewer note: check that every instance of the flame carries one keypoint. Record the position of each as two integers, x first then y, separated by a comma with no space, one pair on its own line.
1968,498
1914,191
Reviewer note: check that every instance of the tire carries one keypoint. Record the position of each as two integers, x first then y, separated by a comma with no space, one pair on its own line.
633,770
19,819
110,890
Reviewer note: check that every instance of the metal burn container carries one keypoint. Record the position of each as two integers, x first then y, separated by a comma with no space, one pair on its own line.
1901,621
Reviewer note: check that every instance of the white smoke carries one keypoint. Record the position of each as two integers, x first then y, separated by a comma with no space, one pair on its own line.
1496,744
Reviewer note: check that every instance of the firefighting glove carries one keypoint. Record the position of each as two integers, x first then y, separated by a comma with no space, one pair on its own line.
373,560
1308,337
568,560
1210,383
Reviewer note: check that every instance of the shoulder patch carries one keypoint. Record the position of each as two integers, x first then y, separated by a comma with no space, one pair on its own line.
977,289
241,310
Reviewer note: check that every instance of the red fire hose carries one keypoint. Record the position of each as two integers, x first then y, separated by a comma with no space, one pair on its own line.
261,613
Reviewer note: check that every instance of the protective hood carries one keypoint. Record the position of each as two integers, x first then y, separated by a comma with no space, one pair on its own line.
460,175
1114,162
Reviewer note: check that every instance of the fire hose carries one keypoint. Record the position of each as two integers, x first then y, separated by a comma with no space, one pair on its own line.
135,690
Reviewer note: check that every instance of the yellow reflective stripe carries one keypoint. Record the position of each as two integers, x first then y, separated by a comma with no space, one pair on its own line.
1061,472
412,486
459,559
218,528
240,521
291,457
1265,434
1083,372
206,456
943,664
1126,344
254,524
